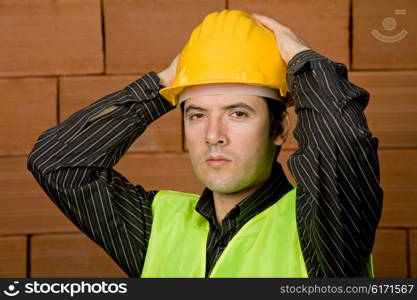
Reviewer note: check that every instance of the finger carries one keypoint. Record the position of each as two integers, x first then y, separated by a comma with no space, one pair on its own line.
272,24
265,24
303,42
174,62
263,19
267,20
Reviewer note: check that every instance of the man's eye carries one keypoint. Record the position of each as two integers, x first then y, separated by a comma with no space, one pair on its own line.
196,116
239,114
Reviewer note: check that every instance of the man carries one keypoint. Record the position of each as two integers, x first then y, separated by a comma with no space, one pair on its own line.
249,221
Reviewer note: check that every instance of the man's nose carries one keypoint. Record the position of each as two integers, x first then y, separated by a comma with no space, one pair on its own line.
215,133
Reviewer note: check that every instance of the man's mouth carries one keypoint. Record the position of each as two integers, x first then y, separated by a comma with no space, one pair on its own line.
217,161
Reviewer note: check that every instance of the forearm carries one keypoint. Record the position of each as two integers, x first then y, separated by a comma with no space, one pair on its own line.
336,168
98,135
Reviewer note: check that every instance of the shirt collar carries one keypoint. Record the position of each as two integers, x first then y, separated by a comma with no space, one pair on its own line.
270,192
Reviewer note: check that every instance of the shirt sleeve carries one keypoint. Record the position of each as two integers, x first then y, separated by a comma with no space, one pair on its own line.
339,198
73,162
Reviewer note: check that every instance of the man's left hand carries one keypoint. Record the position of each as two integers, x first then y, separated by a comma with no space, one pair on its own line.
289,44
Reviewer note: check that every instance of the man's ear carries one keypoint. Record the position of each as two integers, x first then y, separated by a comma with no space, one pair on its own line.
285,125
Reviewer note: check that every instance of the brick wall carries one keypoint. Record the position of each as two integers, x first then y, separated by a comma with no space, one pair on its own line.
60,55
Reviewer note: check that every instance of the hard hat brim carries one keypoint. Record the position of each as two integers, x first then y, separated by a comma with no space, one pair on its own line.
171,93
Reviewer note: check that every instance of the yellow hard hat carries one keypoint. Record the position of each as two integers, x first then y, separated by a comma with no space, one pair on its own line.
229,47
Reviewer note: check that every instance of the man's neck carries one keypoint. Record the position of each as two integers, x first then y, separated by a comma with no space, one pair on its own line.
223,203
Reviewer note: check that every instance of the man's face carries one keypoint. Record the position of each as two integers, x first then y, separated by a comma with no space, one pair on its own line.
228,141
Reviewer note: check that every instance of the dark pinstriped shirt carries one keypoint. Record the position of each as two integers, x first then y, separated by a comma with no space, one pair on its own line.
339,199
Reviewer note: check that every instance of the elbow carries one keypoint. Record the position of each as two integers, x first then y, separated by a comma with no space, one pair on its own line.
44,148
32,162
35,159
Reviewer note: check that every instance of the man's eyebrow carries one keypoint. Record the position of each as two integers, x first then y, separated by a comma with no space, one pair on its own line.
240,105
232,106
191,107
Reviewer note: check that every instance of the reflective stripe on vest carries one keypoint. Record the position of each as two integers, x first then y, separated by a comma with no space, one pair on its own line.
266,246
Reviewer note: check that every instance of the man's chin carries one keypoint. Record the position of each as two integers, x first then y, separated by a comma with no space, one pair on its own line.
223,190
222,185
220,180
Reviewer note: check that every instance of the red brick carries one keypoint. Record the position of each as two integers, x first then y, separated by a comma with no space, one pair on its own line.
146,35
323,24
282,159
370,53
70,255
413,252
29,107
13,256
164,135
24,207
398,180
392,108
50,37
390,253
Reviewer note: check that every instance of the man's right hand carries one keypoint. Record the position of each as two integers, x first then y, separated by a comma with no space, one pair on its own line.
168,75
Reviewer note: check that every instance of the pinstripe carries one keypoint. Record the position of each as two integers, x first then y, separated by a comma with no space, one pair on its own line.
117,257
77,135
67,131
97,221
45,152
101,138
110,233
132,253
81,221
143,93
50,193
355,139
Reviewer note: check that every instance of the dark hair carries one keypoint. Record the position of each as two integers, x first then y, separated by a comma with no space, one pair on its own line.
276,110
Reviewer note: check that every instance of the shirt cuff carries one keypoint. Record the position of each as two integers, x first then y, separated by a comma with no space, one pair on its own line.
146,87
299,63
145,90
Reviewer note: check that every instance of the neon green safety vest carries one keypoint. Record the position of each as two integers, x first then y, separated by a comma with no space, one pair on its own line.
266,246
